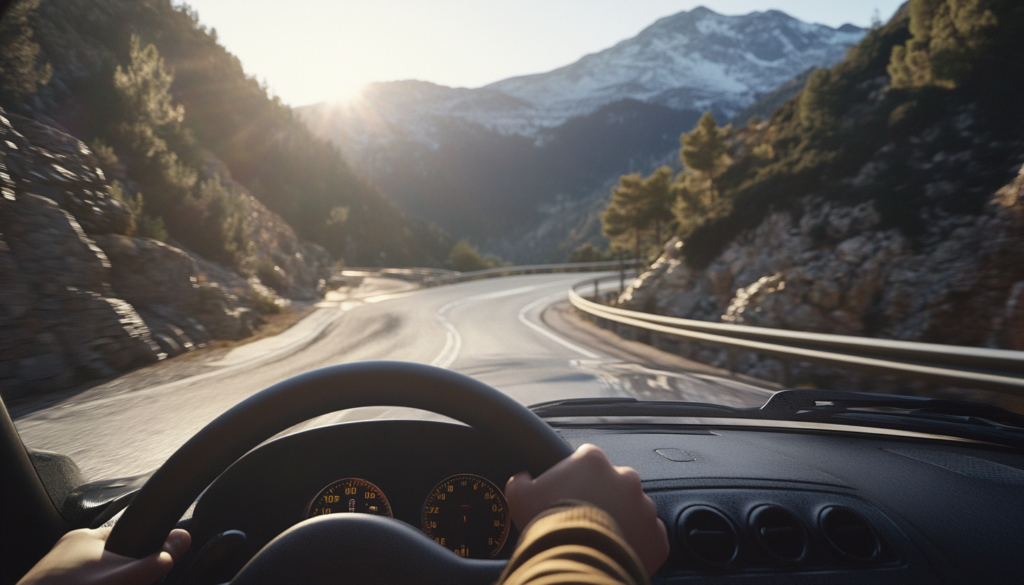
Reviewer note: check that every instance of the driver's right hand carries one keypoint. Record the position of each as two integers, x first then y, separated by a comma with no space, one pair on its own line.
589,476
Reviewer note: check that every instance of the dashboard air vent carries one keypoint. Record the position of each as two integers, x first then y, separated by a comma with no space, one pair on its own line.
780,532
850,534
708,535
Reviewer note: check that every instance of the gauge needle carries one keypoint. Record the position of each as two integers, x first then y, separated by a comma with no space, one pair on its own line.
465,510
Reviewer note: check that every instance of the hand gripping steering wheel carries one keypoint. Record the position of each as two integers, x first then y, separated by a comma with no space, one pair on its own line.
337,548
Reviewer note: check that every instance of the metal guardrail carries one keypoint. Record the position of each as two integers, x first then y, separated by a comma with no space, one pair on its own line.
531,269
973,367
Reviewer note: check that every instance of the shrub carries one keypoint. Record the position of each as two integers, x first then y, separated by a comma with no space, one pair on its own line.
465,258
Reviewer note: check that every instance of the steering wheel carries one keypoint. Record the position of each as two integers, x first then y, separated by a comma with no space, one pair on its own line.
337,548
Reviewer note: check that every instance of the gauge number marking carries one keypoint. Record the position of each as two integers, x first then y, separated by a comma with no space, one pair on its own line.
466,514
351,495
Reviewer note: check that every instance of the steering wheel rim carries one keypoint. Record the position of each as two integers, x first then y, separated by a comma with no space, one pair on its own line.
181,479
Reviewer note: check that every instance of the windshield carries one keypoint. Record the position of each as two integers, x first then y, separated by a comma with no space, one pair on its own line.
701,205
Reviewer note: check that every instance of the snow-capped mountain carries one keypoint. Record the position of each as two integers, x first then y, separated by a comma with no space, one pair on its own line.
692,60
487,161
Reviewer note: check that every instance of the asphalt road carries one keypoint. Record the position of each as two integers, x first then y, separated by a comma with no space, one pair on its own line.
494,330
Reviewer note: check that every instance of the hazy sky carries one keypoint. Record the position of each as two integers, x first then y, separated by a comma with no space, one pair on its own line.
316,50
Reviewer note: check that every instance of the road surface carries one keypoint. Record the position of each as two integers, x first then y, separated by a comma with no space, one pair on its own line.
493,330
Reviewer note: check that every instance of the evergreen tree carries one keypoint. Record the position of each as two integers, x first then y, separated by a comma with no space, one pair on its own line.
20,72
148,117
817,102
704,150
694,194
947,35
658,196
626,216
220,231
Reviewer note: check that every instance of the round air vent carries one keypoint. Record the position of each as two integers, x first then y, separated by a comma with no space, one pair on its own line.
780,532
708,535
850,534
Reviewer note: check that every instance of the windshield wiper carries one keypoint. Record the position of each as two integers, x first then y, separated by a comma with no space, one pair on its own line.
970,420
914,413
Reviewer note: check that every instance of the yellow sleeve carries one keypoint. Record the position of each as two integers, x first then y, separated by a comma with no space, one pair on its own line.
573,542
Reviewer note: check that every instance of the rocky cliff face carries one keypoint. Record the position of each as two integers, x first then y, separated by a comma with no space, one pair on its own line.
834,269
82,299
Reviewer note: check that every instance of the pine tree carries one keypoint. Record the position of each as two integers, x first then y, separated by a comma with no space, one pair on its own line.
627,214
20,72
656,192
694,194
947,34
818,101
704,149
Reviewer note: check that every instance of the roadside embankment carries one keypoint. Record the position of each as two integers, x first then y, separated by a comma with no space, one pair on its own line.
81,298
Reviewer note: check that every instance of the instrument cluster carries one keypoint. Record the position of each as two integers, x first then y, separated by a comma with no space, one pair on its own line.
465,513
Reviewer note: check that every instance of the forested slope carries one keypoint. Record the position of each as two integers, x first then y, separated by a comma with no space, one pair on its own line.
886,199
107,91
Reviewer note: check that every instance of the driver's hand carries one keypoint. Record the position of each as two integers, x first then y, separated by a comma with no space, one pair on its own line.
588,475
79,558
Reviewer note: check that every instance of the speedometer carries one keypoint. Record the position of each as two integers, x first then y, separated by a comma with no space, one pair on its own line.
468,515
350,495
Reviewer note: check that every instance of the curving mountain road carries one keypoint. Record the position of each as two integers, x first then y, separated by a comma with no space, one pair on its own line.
495,330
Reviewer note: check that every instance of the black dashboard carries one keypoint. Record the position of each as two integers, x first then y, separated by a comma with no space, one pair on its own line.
741,505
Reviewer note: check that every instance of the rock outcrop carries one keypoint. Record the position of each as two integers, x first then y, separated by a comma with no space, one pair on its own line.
80,298
834,269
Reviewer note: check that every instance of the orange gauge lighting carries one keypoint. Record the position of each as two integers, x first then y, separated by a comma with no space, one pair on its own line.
468,515
350,495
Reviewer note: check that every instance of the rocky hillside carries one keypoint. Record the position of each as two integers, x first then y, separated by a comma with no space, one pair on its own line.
82,299
870,205
836,269
157,96
493,162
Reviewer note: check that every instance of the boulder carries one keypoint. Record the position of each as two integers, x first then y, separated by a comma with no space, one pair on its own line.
834,269
52,164
79,298
59,322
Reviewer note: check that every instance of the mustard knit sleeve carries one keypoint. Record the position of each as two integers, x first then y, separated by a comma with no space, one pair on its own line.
573,542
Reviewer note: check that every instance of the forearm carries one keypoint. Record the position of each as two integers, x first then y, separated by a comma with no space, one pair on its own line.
573,542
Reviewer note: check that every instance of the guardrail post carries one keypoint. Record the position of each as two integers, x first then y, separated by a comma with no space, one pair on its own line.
730,359
596,299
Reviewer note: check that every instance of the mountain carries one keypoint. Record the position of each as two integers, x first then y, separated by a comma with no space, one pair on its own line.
488,162
692,60
885,199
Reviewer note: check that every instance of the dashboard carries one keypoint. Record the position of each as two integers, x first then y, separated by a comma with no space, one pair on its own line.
741,505
444,479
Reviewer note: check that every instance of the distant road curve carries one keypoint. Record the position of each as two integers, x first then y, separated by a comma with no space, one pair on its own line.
494,330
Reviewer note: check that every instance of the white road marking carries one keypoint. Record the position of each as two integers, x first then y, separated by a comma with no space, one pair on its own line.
549,334
453,341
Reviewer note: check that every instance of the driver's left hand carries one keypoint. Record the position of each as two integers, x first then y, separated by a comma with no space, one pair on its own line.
78,558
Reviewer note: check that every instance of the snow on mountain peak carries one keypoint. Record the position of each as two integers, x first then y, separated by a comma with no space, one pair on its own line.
696,60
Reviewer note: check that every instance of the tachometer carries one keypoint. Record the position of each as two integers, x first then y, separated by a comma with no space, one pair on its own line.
350,495
468,515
